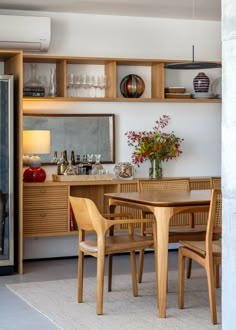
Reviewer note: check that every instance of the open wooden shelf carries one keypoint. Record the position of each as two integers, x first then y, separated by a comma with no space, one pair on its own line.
152,72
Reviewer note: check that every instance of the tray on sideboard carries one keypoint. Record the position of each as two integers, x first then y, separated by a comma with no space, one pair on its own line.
61,178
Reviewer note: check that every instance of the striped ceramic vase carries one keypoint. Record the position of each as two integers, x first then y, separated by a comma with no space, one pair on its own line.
132,85
201,83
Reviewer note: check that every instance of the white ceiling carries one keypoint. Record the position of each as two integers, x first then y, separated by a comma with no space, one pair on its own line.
183,9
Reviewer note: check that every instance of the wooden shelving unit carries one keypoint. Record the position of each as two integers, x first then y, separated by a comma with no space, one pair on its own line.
110,67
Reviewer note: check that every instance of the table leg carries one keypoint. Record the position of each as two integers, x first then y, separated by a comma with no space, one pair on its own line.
162,215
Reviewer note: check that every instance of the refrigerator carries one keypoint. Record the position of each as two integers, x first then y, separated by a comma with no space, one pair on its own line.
6,175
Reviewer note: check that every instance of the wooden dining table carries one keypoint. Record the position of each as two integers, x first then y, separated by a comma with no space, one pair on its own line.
164,205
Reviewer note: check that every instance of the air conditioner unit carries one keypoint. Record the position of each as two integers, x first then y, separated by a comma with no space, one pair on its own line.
29,33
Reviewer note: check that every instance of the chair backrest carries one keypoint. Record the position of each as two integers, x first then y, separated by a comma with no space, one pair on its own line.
175,184
87,215
214,218
215,182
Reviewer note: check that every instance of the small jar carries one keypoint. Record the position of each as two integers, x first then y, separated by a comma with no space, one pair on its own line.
124,171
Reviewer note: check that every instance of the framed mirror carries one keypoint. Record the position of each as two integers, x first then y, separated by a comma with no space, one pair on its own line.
83,133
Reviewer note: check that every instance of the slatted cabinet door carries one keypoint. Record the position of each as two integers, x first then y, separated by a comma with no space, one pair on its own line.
45,211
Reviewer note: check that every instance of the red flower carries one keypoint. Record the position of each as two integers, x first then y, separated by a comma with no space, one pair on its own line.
154,144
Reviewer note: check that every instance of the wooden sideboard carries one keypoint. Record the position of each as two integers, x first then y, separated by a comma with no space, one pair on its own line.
46,209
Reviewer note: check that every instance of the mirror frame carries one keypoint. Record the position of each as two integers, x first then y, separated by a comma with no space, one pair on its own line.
112,127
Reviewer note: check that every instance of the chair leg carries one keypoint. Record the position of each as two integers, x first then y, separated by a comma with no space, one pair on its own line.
211,293
100,282
181,278
110,260
189,268
134,273
80,276
140,266
217,276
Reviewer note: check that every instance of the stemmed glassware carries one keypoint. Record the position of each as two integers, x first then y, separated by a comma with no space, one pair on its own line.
103,84
70,84
85,85
77,85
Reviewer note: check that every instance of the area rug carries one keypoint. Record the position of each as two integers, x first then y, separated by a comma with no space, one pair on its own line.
57,300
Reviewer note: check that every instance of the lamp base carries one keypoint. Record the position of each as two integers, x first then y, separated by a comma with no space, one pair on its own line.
34,174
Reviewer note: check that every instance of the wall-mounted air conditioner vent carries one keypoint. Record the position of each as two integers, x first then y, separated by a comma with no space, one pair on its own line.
29,33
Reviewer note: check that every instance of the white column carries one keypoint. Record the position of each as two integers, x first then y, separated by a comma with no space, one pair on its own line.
229,164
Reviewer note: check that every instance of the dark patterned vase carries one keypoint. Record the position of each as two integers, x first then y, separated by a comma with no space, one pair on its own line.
132,86
201,83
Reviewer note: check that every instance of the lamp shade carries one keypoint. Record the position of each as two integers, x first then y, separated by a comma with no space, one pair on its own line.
36,142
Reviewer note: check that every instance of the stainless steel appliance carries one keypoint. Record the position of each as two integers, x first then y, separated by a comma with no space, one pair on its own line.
6,176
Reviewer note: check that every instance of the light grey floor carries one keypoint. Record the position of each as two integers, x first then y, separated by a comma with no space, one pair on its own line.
16,314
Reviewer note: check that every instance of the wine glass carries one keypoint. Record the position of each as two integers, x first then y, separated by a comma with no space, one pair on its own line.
77,85
103,84
99,86
93,86
85,83
70,84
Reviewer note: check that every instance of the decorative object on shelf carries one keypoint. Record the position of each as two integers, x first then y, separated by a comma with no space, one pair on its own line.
132,86
52,83
176,93
124,171
201,83
33,86
216,88
155,169
202,95
155,144
35,142
175,89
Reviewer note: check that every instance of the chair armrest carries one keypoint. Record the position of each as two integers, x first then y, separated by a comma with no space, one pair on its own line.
116,215
128,221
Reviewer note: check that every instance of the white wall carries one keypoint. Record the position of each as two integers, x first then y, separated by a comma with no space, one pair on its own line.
130,37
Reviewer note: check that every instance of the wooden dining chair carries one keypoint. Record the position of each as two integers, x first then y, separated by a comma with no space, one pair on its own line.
215,182
88,218
181,226
207,252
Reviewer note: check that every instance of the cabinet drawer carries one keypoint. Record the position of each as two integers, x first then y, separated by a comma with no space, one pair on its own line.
38,222
45,197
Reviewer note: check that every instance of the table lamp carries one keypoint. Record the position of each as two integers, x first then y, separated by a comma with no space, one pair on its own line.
35,142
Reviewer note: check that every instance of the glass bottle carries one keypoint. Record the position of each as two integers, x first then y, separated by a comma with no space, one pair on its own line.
52,83
65,157
61,165
77,159
54,160
72,158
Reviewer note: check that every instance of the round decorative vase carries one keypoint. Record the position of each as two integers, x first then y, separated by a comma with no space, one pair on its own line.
132,86
124,171
201,83
155,169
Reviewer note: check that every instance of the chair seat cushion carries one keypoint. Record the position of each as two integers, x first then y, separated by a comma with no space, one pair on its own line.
119,243
200,246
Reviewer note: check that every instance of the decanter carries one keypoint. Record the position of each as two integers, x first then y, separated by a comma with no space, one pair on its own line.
97,166
70,169
33,86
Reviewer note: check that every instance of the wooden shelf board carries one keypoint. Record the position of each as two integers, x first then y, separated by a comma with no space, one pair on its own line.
116,99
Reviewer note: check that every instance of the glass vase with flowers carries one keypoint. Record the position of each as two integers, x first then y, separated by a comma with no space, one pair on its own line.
155,145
